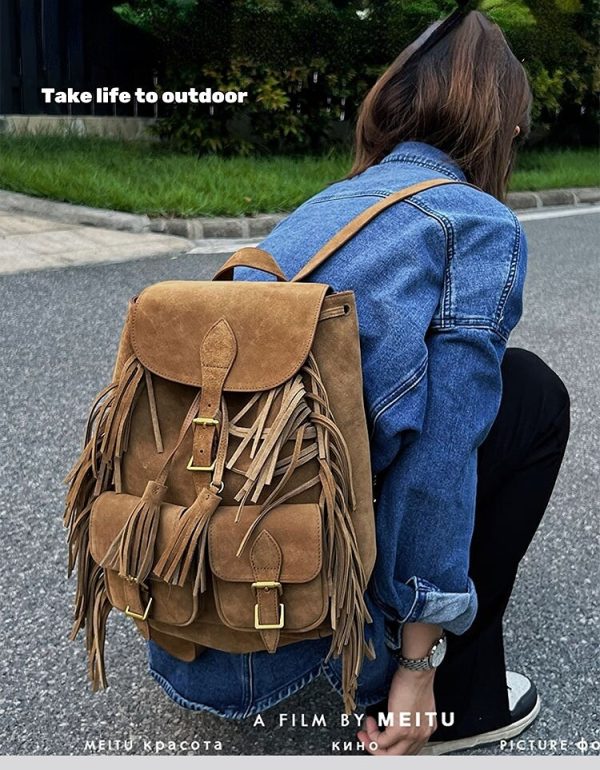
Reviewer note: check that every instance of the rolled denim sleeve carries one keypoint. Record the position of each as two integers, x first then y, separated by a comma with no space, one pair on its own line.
426,496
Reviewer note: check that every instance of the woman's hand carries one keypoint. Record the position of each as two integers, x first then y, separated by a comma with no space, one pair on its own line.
411,694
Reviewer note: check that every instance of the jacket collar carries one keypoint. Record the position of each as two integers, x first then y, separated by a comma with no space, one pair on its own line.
426,155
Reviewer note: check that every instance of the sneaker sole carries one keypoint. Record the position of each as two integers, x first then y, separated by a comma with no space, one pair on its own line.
501,734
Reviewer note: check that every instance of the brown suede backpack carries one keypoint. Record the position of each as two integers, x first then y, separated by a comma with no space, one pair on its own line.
224,496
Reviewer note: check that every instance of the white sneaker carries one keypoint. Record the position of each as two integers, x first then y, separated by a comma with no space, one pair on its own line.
524,705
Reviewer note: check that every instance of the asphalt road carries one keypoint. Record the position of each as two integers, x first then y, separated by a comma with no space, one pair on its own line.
59,334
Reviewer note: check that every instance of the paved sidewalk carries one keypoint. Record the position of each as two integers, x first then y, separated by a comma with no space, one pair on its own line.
33,243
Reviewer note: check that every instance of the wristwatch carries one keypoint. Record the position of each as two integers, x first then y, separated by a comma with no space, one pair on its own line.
433,660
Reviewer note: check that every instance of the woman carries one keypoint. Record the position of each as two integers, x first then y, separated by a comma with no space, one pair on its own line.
467,437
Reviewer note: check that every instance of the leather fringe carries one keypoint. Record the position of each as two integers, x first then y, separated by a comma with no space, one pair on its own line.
98,469
99,610
345,571
92,474
268,436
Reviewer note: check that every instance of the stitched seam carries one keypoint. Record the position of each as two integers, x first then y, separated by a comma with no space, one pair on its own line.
345,196
467,323
467,319
514,260
398,389
248,709
361,701
423,163
448,229
265,534
412,385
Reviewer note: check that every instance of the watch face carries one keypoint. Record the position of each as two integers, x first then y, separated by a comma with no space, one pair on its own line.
438,653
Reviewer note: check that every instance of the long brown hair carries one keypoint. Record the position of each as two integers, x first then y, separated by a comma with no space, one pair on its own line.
465,96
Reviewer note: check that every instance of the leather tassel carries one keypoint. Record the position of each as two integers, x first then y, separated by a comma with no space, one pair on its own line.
132,551
188,543
95,471
303,414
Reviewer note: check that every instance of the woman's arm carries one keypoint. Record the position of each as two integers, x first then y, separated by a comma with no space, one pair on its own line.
426,494
411,692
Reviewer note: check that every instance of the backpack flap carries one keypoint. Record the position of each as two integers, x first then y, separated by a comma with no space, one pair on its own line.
274,326
172,604
277,580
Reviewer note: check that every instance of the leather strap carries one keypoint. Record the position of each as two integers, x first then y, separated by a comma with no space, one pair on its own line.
137,604
266,560
218,351
350,230
250,256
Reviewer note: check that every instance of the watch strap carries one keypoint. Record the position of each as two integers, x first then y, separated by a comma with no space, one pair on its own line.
418,664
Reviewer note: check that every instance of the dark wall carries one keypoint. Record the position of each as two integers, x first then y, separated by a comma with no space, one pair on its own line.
62,43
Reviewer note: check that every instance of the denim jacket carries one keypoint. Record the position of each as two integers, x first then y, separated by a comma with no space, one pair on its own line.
438,281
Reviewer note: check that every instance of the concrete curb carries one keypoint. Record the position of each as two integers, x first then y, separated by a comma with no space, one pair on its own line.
232,227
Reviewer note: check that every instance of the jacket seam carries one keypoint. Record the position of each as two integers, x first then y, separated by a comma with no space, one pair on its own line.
424,164
337,196
448,319
413,379
248,709
473,323
448,230
512,271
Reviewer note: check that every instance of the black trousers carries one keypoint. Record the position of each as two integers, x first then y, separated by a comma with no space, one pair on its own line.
518,464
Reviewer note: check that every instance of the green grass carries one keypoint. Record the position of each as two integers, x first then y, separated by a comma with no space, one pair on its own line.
548,169
149,178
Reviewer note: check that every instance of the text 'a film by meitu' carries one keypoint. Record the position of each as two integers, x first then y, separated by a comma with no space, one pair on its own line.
114,95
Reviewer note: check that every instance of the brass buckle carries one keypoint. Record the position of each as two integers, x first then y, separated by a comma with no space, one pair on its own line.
191,467
260,626
205,421
136,615
207,468
268,584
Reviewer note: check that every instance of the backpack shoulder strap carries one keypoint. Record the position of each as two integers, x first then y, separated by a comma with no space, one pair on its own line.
347,232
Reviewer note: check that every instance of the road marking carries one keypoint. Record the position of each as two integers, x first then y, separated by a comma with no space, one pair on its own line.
555,213
221,245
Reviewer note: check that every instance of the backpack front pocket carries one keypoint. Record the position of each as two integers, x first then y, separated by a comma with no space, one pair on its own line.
277,580
176,605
